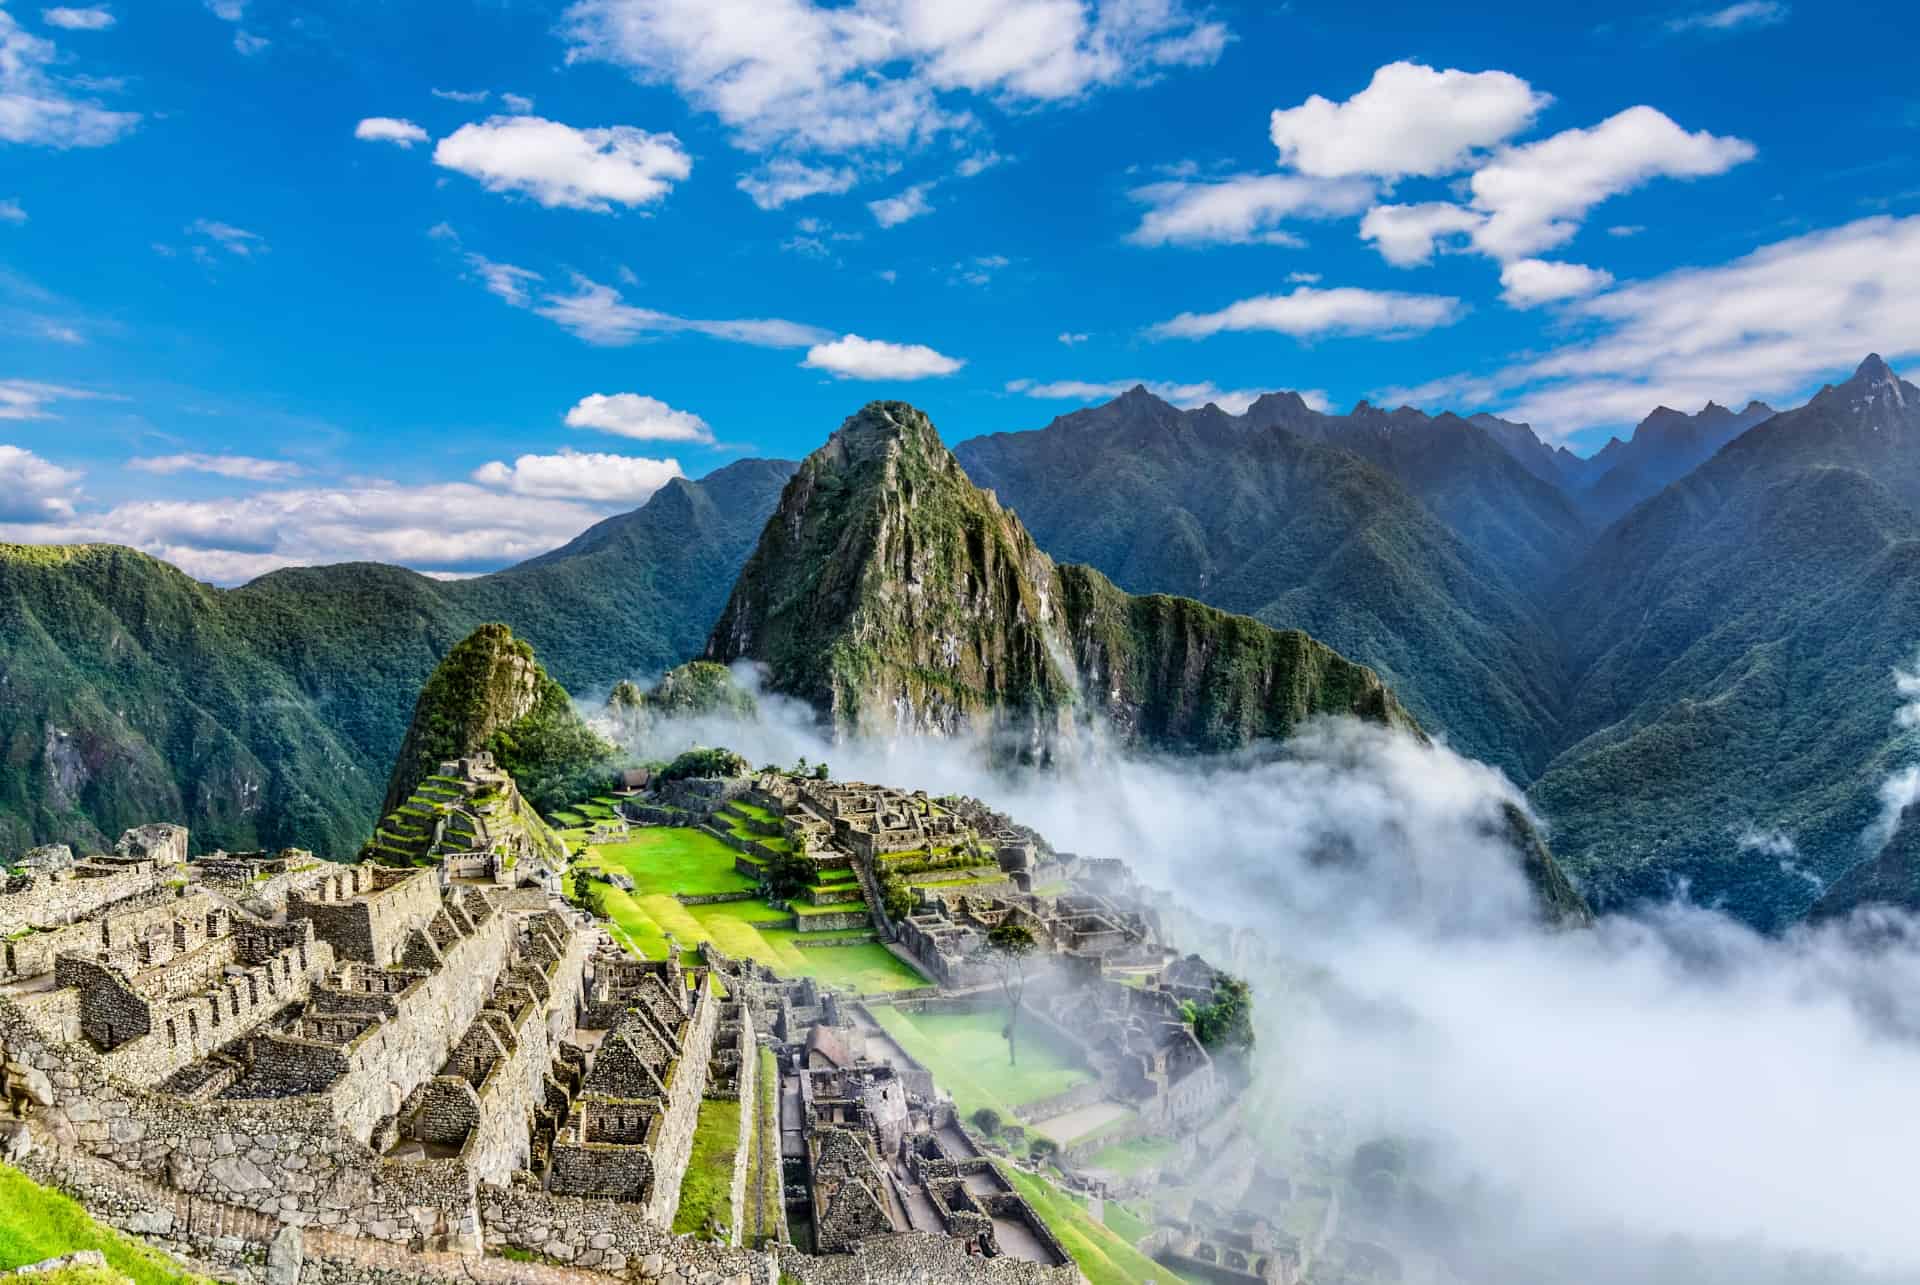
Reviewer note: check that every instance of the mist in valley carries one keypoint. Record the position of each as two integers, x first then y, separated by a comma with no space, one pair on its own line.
1667,1096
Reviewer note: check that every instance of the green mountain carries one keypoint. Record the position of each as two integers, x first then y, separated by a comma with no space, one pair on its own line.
1732,643
1248,514
491,694
130,692
892,594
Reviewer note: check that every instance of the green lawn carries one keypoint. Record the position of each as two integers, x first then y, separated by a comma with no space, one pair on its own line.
831,908
706,1191
671,859
1131,1227
1131,1157
1104,1256
37,1224
968,1057
767,1134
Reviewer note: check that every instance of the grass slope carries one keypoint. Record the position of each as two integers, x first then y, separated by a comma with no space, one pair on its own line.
706,1189
1103,1255
37,1223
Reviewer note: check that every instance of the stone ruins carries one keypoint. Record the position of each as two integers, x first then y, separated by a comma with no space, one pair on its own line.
286,1068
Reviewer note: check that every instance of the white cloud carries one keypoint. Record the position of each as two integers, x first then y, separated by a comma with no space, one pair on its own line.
559,166
892,211
785,180
580,475
639,417
244,468
452,526
1526,283
1766,325
1303,278
1626,229
93,18
1747,13
977,163
1234,401
387,129
234,240
29,399
842,78
504,280
1307,312
1409,120
851,357
1072,337
596,313
1408,235
32,489
979,270
1245,208
468,96
11,211
519,104
44,110
228,10
1535,195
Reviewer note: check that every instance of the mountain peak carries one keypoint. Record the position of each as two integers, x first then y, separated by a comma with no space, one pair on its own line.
1872,370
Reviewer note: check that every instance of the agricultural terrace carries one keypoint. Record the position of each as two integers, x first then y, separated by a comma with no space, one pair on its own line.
1104,1255
968,1057
668,862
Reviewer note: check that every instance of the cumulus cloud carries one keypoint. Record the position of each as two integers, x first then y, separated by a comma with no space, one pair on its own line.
1747,13
642,418
1409,120
228,10
1766,325
1308,312
92,18
1527,283
581,475
873,74
976,163
32,489
1408,235
785,180
891,211
1242,209
245,468
247,44
1535,195
597,314
45,110
1234,401
563,167
388,129
11,211
851,357
519,104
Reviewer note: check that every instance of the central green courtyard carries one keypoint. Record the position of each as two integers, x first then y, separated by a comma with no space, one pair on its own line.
968,1057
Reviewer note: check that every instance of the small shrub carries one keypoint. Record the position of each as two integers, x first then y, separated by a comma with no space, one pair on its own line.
987,1120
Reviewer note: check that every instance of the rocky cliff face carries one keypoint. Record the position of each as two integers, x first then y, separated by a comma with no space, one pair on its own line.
895,596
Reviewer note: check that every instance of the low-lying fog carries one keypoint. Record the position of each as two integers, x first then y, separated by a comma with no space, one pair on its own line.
1665,1097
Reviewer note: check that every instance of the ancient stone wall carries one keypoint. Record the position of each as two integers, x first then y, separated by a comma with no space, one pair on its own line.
368,912
33,901
674,1142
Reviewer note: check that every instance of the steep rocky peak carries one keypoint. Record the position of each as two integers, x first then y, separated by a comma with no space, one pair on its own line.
1873,388
879,430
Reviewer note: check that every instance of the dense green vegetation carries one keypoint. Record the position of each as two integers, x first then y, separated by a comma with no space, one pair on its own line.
267,716
37,1224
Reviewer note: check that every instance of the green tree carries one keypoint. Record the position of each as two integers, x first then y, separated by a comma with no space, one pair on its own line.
896,896
1227,1022
987,1120
1011,949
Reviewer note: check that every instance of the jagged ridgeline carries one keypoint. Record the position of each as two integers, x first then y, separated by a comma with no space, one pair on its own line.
494,741
894,595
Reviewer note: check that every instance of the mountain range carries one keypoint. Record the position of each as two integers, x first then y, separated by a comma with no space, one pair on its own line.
1682,646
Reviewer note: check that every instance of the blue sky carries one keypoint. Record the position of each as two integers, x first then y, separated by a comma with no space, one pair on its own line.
442,283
